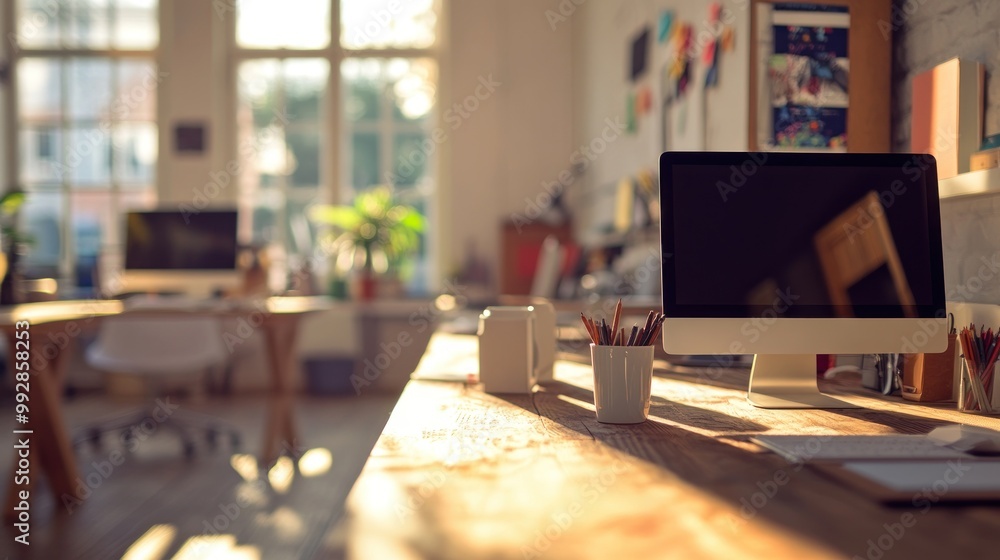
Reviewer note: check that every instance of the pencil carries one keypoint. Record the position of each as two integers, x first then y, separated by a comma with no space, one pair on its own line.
618,316
590,331
648,323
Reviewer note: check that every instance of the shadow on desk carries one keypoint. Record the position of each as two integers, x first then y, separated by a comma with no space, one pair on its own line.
703,445
670,411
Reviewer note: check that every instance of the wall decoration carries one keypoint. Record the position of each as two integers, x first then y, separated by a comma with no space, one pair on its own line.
189,138
630,125
807,91
665,24
691,69
808,77
639,54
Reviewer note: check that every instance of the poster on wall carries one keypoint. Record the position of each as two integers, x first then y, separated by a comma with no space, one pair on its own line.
807,71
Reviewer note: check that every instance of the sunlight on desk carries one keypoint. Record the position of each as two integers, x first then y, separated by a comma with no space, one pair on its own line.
281,474
461,473
216,547
153,544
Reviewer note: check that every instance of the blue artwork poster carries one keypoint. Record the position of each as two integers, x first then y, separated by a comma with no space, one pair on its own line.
808,73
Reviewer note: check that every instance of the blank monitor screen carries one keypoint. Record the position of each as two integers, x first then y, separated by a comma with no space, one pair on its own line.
172,240
834,235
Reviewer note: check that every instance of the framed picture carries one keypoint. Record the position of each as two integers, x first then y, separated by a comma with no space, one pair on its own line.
820,76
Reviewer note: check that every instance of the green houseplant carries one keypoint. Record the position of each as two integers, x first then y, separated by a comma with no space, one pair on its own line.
10,242
374,236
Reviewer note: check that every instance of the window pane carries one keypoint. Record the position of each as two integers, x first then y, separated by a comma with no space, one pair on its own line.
407,84
39,83
258,92
267,205
89,88
40,151
263,159
413,88
364,160
136,24
305,82
387,23
135,99
363,87
293,24
410,161
304,147
41,216
135,154
299,230
38,23
88,24
92,217
88,156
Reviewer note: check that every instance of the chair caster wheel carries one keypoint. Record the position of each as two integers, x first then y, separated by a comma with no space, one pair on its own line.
94,439
128,438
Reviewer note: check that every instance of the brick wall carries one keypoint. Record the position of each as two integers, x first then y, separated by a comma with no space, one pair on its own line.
928,32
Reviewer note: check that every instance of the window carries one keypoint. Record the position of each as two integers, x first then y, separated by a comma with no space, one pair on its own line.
86,83
299,145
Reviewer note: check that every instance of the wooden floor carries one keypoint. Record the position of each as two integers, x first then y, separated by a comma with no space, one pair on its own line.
217,505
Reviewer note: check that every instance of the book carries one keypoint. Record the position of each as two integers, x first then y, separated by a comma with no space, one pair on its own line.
947,114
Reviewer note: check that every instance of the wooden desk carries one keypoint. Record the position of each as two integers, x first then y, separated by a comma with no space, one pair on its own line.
54,327
461,474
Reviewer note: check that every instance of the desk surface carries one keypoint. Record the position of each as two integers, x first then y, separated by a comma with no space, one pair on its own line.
461,474
72,310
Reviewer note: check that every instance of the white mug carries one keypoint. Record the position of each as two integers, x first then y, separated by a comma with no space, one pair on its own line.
545,338
507,357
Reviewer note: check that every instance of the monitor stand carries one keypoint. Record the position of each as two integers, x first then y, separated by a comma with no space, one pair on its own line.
788,381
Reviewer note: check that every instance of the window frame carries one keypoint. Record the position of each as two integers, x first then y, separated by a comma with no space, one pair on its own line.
334,172
12,129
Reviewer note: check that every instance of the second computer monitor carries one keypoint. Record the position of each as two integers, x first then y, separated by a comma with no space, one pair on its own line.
174,251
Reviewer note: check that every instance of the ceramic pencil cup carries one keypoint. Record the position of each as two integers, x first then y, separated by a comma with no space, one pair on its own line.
623,376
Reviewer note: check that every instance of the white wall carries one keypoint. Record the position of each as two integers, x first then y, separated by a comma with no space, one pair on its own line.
603,33
492,157
193,92
519,136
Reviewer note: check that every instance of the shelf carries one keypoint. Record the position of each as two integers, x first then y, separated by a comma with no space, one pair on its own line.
972,183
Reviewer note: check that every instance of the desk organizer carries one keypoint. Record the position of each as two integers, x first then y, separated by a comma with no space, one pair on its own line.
623,376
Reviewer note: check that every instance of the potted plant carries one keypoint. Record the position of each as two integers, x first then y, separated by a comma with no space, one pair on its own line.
11,242
372,237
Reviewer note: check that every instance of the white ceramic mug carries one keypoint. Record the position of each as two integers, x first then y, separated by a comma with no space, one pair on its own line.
623,376
507,358
545,338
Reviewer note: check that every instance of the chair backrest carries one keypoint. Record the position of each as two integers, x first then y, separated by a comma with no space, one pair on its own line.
157,345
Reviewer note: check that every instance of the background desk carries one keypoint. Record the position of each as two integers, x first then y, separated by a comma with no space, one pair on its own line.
51,450
461,474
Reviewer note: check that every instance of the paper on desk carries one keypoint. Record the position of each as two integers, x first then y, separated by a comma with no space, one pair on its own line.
449,359
960,475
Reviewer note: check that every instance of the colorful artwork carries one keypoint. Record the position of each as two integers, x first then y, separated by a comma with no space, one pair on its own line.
666,23
808,74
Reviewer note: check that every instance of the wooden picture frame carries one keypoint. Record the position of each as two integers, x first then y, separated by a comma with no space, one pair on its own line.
869,114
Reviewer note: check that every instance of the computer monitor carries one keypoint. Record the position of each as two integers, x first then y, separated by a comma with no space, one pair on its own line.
172,251
788,255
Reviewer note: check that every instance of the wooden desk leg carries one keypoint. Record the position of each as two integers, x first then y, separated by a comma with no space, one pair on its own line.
50,449
280,332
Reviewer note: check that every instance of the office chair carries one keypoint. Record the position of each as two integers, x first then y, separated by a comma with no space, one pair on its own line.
849,251
158,349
